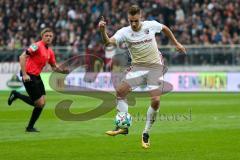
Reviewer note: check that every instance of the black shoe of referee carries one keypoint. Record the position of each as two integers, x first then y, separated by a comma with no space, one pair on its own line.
32,130
12,97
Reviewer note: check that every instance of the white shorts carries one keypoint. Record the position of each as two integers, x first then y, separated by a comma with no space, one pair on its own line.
152,76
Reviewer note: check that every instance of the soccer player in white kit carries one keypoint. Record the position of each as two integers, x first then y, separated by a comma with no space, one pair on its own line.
142,45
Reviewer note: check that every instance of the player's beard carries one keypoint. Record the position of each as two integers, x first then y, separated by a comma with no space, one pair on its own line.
136,28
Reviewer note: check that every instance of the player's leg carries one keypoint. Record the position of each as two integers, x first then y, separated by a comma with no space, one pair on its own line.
36,91
121,92
131,80
16,95
150,117
152,111
39,104
30,86
155,79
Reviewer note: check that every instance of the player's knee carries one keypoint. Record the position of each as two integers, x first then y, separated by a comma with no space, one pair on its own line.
118,92
121,93
155,103
123,90
40,103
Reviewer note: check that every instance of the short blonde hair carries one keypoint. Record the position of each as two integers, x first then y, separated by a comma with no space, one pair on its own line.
45,30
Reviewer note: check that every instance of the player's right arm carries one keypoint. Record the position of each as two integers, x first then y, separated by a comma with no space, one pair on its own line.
22,61
23,58
105,38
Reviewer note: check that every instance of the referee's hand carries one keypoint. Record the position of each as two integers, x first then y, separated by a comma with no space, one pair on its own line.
26,78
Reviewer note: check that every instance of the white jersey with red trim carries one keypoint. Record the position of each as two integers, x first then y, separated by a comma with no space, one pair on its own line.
142,44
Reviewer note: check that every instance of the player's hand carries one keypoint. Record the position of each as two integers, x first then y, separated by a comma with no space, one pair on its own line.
180,48
102,24
26,78
65,71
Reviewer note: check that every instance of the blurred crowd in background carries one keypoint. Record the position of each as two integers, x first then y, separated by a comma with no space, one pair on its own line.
75,22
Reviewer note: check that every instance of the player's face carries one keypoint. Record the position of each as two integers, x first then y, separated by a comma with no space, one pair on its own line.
47,38
135,22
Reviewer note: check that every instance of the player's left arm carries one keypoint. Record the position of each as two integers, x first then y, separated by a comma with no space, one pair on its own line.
170,35
58,69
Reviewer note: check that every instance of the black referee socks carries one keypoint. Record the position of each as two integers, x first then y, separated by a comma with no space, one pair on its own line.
35,115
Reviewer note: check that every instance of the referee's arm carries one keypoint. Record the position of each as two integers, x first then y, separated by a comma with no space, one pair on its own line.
22,61
56,68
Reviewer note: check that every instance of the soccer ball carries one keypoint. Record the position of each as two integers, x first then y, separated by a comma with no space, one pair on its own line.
123,120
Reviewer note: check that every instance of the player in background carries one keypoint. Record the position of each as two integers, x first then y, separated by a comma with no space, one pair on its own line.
32,62
142,45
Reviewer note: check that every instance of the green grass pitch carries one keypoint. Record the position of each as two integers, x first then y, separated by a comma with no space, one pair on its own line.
210,132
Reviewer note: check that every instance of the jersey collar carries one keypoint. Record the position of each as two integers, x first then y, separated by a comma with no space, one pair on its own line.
141,25
44,44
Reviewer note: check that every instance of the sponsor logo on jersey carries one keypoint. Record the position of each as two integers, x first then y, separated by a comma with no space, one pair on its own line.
34,47
146,31
141,42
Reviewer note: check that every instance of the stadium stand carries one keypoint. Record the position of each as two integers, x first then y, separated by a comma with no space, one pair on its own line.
195,22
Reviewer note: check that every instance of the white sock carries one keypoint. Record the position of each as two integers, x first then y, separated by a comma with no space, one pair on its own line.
122,106
151,117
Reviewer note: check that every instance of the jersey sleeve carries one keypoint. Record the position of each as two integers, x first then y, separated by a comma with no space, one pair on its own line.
52,59
119,36
156,26
32,49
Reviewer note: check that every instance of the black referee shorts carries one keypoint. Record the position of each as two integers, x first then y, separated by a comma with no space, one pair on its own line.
35,87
